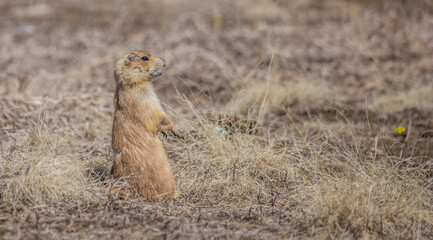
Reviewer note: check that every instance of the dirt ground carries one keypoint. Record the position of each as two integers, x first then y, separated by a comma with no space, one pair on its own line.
303,119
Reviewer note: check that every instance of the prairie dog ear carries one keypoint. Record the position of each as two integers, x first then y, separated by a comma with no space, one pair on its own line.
126,62
131,57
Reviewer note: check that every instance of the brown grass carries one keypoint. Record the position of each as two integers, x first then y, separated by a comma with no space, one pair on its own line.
277,98
36,172
334,187
414,98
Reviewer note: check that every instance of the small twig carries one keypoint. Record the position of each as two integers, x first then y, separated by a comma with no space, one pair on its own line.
109,198
249,212
272,201
234,171
79,210
209,202
258,199
366,225
109,192
130,205
71,222
106,208
381,228
407,230
37,220
199,214
177,134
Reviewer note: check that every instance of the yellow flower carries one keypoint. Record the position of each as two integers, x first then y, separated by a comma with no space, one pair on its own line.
400,130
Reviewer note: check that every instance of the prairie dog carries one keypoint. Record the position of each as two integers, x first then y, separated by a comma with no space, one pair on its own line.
138,117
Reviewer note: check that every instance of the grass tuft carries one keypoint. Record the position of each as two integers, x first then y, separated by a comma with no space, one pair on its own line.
35,171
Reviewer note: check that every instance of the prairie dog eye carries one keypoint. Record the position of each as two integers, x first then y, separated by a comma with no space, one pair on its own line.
145,58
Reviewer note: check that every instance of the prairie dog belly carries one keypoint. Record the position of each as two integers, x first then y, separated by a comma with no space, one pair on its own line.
148,95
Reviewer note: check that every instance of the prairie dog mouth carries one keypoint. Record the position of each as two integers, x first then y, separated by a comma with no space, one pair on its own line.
158,72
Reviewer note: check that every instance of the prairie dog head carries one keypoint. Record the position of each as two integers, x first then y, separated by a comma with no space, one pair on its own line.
137,67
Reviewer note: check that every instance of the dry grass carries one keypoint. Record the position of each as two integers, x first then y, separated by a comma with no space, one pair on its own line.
37,171
277,98
334,187
346,189
288,108
415,98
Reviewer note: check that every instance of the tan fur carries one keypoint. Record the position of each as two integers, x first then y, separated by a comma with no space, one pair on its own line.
139,154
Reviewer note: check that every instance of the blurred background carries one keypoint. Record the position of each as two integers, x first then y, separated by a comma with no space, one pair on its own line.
58,48
280,62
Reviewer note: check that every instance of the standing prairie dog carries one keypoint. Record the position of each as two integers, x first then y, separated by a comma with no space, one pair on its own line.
138,117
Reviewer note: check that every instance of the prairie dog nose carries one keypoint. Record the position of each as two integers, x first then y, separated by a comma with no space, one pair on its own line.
163,62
